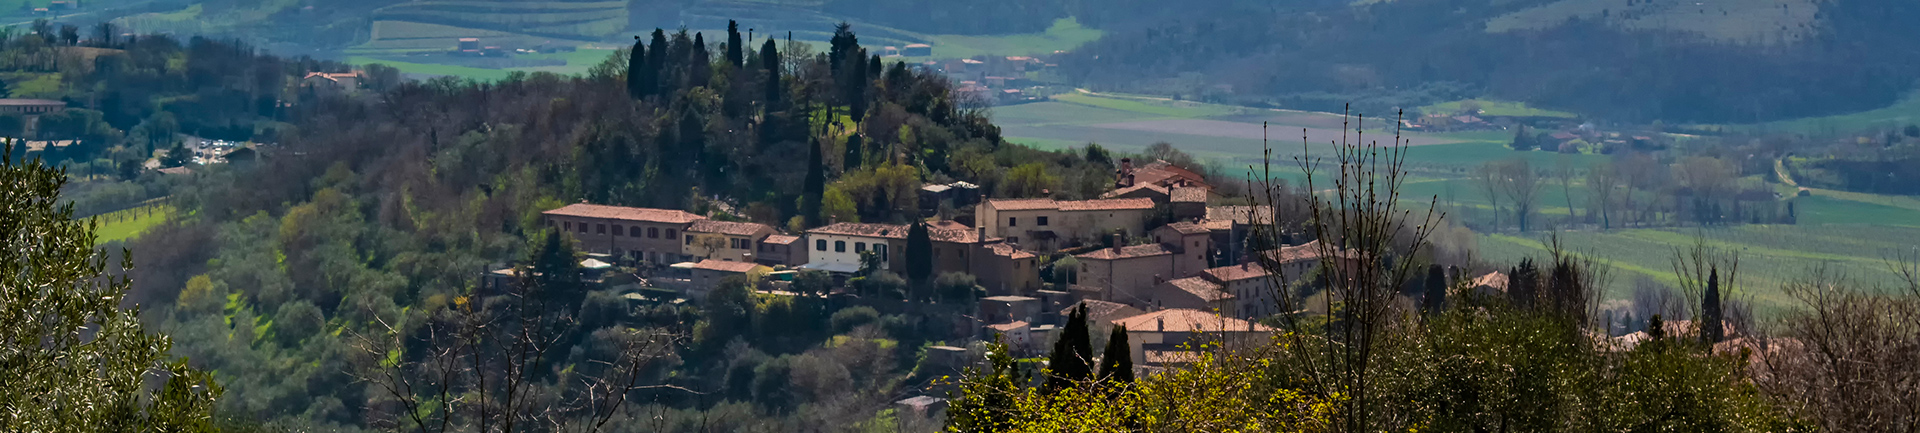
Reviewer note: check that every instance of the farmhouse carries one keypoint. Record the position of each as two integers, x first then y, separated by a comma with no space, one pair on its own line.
332,82
724,240
837,247
648,235
1048,223
1157,339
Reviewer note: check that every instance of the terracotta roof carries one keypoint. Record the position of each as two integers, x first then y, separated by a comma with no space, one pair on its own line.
1107,204
1237,272
780,239
727,227
1004,327
1306,251
872,230
1023,204
726,266
584,210
1009,251
1136,189
952,231
1216,225
1099,311
1239,214
1126,252
1165,173
1201,288
1187,320
1494,280
13,102
1188,228
1189,194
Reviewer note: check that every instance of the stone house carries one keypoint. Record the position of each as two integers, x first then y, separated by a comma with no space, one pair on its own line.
640,234
1052,224
723,240
776,250
837,247
707,274
1162,338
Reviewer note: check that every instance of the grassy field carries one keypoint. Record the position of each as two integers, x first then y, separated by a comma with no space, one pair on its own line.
128,224
1770,255
1904,112
1495,108
1065,34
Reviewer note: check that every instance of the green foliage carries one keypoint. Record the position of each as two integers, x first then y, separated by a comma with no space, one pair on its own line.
1028,180
61,380
847,319
957,287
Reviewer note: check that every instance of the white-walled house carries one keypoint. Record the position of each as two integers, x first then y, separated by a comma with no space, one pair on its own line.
837,247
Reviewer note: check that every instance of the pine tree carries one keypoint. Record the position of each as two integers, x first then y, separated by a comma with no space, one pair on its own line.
735,55
919,253
1116,362
1711,315
842,45
856,152
636,65
1522,141
1436,296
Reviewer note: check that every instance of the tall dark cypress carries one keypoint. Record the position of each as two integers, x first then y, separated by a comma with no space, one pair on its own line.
1067,364
1523,284
656,61
1116,362
1436,296
856,85
770,62
699,63
816,185
842,45
636,65
1711,316
735,54
874,69
856,152
919,250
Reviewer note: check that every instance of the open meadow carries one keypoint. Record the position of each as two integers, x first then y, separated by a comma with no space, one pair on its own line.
130,223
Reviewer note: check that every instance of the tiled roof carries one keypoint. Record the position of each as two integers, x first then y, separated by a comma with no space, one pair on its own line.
952,231
584,210
872,230
1004,327
1216,225
1135,189
1008,251
1307,251
727,227
1099,311
1023,204
1126,252
1107,204
726,266
780,239
1201,288
1189,194
1236,272
1239,214
1162,172
1187,320
1188,228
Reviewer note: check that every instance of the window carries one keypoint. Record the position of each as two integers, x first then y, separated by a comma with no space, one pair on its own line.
583,228
670,233
689,239
1040,220
1013,222
839,246
619,230
566,226
635,232
880,249
600,228
654,232
820,245
859,247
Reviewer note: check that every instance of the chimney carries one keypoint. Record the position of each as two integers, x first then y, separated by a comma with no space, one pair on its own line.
983,235
1116,243
1160,324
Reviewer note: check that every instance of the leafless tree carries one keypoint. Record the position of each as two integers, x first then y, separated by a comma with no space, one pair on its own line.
1695,267
1603,180
1369,248
487,364
1489,182
1563,170
1847,357
1516,180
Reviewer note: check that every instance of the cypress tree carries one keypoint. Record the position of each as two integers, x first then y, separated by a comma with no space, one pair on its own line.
856,151
699,63
842,45
1523,284
770,62
919,251
1656,328
874,69
1067,364
1116,363
856,85
1436,296
656,61
636,64
734,53
1711,330
815,187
